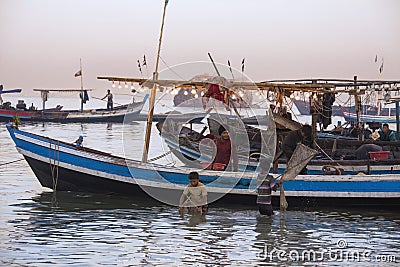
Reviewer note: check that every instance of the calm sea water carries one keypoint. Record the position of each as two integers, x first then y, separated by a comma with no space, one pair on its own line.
40,228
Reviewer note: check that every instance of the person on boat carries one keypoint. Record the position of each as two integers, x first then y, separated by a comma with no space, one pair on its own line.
109,97
194,197
362,152
264,192
32,107
289,144
226,151
7,105
386,134
21,105
133,95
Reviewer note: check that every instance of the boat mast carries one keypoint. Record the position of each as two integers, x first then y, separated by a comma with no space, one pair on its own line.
80,64
357,98
153,92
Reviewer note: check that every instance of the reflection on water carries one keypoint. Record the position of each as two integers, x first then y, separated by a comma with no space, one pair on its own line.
71,228
40,228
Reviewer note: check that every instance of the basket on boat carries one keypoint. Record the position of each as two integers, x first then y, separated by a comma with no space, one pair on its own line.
380,155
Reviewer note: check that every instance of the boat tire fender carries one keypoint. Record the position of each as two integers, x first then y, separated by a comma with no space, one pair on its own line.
329,170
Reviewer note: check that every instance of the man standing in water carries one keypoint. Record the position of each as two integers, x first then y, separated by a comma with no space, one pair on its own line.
264,191
194,197
109,97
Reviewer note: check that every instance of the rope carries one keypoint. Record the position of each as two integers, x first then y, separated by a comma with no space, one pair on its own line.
161,156
10,162
171,68
56,163
327,155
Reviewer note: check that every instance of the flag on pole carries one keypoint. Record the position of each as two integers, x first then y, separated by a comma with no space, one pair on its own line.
140,68
243,65
230,69
144,61
78,73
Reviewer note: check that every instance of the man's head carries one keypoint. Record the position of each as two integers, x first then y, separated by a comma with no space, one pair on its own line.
306,131
108,91
223,133
194,178
385,128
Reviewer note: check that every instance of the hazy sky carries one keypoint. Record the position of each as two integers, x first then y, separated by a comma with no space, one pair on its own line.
41,41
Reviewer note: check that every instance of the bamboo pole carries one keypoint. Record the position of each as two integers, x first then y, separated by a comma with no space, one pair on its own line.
153,93
357,98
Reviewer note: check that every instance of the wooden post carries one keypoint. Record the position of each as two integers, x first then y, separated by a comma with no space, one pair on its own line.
314,118
80,64
314,128
397,120
153,93
357,98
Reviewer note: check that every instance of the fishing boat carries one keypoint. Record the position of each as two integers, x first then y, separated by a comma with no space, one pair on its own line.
338,153
352,117
304,108
117,114
62,166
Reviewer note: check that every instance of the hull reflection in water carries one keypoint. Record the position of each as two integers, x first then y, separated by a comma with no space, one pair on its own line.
92,229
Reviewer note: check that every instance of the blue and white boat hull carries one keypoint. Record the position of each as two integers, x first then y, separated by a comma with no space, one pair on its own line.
63,167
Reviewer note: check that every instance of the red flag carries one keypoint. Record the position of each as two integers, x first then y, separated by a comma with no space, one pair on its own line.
78,73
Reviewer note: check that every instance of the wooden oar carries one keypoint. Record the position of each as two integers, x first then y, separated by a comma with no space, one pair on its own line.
106,100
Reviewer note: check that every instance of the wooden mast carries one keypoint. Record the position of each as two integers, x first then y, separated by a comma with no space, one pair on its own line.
153,93
357,98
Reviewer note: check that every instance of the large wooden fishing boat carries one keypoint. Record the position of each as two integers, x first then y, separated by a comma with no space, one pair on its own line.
62,166
338,155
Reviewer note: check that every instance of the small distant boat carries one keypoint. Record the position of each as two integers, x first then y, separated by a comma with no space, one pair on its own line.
117,114
352,117
304,108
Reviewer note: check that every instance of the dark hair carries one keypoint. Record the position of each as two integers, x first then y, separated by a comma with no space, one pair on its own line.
385,124
307,130
221,129
193,175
